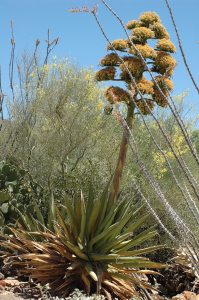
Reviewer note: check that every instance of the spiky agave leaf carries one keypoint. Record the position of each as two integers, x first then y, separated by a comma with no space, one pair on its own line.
93,246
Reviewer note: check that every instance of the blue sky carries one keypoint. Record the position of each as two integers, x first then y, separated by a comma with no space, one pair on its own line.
81,40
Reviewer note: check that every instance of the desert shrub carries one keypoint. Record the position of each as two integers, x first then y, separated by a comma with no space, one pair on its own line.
69,144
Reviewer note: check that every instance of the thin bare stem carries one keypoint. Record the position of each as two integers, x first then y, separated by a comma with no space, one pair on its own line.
11,63
165,229
181,47
1,101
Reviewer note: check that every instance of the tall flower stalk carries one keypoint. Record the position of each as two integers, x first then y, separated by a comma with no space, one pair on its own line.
141,95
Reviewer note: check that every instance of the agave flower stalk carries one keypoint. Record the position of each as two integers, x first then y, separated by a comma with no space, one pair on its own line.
122,153
162,64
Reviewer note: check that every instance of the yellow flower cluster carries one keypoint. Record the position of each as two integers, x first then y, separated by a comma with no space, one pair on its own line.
158,59
133,24
145,106
116,94
159,31
149,18
164,63
135,66
107,73
111,59
145,50
159,98
145,86
164,83
118,45
142,34
166,45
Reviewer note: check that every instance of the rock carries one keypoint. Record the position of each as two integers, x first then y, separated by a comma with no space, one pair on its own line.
186,295
2,284
11,282
9,296
8,282
1,276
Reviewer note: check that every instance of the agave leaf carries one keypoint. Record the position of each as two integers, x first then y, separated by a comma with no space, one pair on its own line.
117,227
137,212
77,212
112,245
132,279
103,257
140,264
91,272
76,250
36,225
124,276
40,247
120,269
116,231
121,225
26,221
86,282
123,209
139,239
110,216
93,217
116,258
104,201
63,225
124,260
141,251
13,246
39,214
83,219
108,295
118,288
108,219
137,224
61,249
89,204
52,212
74,266
102,236
71,215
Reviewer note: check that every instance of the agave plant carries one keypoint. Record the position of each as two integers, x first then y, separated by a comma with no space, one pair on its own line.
92,246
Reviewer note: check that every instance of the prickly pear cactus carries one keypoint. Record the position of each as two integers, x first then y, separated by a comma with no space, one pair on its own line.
16,192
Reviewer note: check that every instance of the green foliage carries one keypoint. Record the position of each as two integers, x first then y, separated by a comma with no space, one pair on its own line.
61,149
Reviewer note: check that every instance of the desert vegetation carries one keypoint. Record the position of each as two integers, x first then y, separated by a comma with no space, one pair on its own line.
99,193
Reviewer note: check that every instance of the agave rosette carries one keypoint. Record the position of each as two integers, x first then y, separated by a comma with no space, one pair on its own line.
93,246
